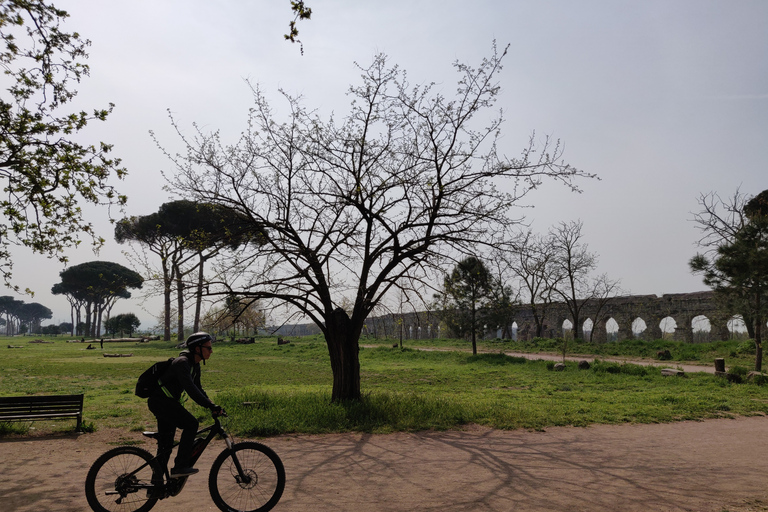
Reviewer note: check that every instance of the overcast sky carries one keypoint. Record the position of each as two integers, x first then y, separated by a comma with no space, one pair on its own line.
663,100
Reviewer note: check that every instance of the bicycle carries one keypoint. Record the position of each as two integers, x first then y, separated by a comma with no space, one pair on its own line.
245,477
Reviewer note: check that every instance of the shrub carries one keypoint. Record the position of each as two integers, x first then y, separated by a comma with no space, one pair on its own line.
758,378
87,426
8,428
496,359
623,368
739,370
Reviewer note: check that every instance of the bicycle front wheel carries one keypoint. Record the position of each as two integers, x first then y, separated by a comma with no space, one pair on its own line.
113,483
248,478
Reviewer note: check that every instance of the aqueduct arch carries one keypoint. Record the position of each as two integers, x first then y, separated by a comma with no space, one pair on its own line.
651,309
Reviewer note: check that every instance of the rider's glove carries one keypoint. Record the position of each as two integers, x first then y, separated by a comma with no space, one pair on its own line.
217,410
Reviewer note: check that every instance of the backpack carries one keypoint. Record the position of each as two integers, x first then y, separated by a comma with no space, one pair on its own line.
148,381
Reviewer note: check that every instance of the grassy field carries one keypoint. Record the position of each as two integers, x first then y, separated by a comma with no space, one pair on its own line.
269,389
740,353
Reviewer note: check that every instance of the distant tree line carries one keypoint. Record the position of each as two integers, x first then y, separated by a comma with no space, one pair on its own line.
20,317
56,329
125,323
92,289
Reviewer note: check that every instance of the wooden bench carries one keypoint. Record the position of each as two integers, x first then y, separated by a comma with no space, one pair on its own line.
37,407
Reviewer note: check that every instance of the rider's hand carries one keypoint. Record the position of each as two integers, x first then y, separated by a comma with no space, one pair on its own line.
217,411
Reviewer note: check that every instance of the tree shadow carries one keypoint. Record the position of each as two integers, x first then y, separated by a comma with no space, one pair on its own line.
502,471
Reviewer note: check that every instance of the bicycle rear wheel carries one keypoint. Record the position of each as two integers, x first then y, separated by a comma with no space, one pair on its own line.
260,486
112,485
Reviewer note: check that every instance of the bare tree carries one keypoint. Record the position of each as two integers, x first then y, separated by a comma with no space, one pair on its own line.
374,203
719,220
574,264
234,314
532,262
404,305
604,289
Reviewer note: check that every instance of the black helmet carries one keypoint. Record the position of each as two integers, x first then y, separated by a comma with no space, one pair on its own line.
197,339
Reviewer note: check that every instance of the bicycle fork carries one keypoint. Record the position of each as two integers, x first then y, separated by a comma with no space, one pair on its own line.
242,477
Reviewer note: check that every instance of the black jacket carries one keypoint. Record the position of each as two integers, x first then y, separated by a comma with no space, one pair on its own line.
184,376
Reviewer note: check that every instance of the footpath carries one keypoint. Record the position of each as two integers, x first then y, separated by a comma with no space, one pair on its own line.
710,466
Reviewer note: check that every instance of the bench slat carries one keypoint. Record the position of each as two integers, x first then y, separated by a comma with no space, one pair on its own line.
40,404
30,416
44,410
40,398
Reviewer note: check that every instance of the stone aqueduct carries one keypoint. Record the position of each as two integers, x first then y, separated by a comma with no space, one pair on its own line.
682,307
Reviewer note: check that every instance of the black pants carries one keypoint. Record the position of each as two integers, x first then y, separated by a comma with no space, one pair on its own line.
171,415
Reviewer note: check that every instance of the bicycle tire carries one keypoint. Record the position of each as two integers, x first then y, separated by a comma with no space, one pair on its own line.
108,474
265,487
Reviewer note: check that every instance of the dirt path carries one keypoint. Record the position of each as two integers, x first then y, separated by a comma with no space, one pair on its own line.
716,465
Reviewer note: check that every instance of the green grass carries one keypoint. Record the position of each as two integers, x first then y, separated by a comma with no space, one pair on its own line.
269,389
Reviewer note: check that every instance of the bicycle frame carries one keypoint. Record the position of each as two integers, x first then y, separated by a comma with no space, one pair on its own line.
173,486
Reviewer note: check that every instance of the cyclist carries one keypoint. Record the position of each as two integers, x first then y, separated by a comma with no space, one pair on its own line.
181,379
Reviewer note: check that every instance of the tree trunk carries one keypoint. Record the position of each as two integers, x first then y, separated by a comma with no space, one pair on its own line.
539,315
199,295
167,313
179,305
750,325
758,345
577,334
88,318
97,323
474,328
759,322
342,340
167,282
